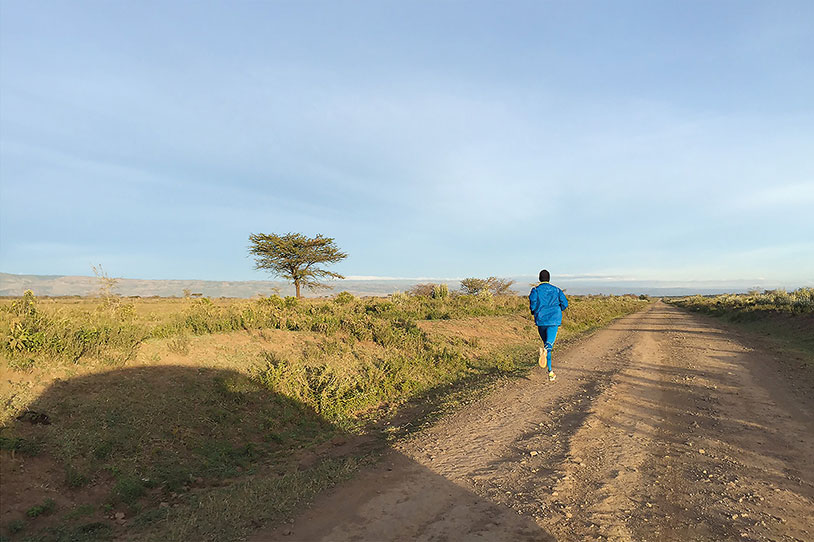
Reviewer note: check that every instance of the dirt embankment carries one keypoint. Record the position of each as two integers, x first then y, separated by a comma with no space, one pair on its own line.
662,426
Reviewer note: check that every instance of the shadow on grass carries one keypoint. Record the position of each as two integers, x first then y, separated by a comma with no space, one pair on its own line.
179,453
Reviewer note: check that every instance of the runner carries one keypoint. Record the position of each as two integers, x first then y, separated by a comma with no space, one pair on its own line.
547,302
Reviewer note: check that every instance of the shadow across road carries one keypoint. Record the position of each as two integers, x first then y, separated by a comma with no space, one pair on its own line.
191,453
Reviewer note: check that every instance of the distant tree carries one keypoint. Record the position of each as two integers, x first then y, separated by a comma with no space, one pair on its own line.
424,289
295,257
494,285
473,286
499,286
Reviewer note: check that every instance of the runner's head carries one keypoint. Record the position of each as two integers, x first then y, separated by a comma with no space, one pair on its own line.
545,276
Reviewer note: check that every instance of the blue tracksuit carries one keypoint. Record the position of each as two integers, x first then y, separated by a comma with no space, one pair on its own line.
546,303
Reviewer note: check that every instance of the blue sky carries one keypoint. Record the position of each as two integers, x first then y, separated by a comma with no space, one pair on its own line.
646,140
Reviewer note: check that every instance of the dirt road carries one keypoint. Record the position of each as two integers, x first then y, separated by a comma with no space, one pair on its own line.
662,426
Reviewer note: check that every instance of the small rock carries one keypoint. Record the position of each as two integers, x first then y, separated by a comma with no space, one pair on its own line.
163,504
569,515
650,505
287,532
119,515
734,516
533,453
701,451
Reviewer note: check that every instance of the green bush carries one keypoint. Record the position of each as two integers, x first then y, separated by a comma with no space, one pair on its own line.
343,298
440,291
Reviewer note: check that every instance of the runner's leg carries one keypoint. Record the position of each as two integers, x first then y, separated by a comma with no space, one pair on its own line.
550,337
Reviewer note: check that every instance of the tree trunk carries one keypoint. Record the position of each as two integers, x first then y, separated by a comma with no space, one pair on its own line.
297,286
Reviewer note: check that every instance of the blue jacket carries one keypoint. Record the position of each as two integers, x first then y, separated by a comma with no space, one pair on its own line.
547,302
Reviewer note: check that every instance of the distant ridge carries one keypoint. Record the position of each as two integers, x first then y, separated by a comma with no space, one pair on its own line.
56,285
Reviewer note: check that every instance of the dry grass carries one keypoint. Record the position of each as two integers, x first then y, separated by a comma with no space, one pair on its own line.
190,434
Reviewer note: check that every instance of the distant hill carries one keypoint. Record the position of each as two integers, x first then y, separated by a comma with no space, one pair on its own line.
55,285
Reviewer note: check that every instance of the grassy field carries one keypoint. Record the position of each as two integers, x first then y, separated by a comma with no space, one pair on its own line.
782,320
182,419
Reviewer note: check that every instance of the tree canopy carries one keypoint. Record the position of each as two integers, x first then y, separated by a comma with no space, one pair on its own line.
495,285
296,257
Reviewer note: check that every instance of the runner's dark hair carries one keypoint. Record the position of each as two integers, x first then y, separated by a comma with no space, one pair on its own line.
545,276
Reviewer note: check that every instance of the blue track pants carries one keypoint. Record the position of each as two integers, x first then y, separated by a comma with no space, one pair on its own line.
549,335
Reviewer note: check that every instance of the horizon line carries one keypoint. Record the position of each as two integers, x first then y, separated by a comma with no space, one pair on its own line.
566,277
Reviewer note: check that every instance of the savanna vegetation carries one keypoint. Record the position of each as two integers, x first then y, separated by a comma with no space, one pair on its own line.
493,285
800,301
784,320
198,419
296,257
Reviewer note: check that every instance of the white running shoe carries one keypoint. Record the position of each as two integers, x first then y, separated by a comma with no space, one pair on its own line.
551,376
542,359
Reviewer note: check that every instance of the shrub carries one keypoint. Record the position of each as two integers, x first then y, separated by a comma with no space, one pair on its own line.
343,298
424,289
34,333
179,344
440,291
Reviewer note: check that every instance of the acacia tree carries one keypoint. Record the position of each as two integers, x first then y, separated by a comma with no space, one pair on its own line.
295,257
495,285
473,286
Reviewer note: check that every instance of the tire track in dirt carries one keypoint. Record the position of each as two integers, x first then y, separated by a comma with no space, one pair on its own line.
659,427
688,445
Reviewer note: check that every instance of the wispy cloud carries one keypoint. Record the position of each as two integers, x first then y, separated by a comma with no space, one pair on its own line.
468,149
